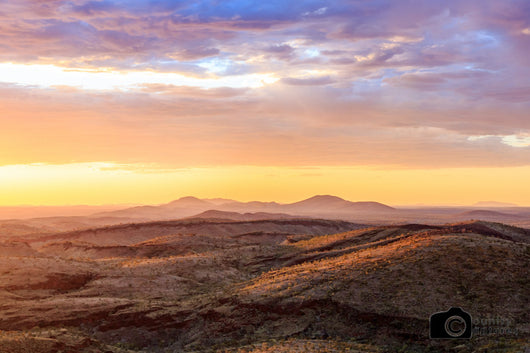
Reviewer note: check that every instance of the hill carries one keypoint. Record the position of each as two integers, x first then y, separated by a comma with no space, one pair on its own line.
127,234
252,206
509,217
50,225
487,214
262,286
236,216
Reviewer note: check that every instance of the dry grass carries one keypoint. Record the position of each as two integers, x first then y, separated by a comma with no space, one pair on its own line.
414,276
178,292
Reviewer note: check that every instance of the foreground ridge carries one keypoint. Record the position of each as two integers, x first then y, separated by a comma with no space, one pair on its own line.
234,286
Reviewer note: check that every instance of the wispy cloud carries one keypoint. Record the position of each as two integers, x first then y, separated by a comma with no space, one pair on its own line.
278,82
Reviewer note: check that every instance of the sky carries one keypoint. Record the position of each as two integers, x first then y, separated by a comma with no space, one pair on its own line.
143,101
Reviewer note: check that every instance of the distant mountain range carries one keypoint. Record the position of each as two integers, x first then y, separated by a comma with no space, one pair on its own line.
316,206
494,204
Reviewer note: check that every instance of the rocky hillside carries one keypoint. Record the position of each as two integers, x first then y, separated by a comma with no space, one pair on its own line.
297,285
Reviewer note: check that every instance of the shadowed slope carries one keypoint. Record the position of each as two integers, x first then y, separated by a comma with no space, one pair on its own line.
129,234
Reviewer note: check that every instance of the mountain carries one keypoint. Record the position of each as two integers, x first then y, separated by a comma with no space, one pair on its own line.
219,200
183,207
187,202
368,206
320,206
494,204
143,213
252,206
320,201
236,216
333,204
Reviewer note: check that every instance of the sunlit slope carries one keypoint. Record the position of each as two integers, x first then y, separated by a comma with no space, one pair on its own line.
266,291
401,275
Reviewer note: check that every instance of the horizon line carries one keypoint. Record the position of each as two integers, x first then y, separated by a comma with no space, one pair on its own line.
501,204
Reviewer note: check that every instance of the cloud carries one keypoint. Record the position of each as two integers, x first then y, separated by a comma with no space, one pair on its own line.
313,81
179,127
356,78
92,8
190,54
281,51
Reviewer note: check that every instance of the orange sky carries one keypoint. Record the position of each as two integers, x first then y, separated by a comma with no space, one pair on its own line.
105,183
135,102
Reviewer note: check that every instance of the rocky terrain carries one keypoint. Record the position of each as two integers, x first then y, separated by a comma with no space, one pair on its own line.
278,285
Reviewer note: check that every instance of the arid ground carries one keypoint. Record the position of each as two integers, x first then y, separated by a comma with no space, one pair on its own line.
284,284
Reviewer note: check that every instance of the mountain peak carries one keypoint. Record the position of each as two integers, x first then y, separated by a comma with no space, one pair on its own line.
325,198
326,201
189,198
188,201
334,203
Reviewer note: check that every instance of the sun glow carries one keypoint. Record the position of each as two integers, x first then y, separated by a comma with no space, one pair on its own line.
105,79
113,183
520,141
141,102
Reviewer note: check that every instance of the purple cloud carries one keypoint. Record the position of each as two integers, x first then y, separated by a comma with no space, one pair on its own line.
314,81
393,69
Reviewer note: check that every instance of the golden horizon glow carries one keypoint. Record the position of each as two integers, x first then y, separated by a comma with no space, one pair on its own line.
141,102
107,79
111,183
